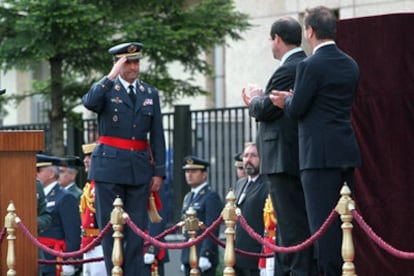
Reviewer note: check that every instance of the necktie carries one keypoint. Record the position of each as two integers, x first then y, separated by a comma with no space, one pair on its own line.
191,197
243,194
132,94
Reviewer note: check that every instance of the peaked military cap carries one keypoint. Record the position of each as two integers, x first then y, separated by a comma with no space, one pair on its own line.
238,160
43,160
71,162
88,148
195,163
132,50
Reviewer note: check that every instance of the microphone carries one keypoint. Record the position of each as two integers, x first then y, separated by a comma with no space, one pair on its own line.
2,91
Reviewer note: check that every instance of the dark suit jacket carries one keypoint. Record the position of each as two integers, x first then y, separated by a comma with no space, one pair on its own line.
118,118
252,210
325,86
277,138
208,206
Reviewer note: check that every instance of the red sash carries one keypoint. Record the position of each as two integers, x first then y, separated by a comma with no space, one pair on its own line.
57,245
123,143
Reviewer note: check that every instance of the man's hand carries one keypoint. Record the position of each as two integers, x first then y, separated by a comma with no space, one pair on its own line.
204,264
149,258
278,97
156,183
245,97
254,91
116,68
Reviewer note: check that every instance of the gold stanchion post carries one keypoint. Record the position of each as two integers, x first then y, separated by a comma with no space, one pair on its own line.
344,207
230,219
191,226
117,222
10,224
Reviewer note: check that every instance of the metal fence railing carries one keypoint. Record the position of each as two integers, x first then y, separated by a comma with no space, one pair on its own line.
215,135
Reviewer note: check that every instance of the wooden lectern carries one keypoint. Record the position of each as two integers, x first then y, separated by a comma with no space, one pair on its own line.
18,184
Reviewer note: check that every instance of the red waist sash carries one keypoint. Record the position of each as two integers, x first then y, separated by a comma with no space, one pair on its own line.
57,245
123,143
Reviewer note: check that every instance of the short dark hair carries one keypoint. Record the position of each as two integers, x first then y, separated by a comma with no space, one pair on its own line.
288,29
323,22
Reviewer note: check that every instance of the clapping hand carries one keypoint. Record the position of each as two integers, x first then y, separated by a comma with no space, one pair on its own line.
278,97
253,91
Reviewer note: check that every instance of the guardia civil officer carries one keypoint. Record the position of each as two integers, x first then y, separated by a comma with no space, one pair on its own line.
129,159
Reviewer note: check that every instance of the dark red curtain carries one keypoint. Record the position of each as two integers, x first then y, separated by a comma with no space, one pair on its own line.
383,115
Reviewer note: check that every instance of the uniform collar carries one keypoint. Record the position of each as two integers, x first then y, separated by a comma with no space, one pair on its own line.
126,84
199,188
49,187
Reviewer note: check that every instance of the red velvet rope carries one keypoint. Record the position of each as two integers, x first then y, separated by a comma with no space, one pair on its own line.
165,233
380,242
2,234
207,232
165,245
73,254
70,262
289,249
239,251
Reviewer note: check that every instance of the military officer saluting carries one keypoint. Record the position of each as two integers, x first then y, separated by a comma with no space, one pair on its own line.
129,159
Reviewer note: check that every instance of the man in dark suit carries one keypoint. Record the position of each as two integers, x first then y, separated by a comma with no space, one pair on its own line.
251,193
64,231
129,159
208,205
325,87
277,141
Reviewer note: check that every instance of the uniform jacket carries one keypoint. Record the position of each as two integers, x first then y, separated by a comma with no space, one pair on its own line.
87,212
75,191
252,210
325,86
65,225
208,206
277,138
43,217
111,102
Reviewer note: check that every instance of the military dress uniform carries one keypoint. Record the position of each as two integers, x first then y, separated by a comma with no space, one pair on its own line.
130,151
208,205
64,232
89,227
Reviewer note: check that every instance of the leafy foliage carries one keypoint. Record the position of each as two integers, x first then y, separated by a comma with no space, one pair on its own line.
73,36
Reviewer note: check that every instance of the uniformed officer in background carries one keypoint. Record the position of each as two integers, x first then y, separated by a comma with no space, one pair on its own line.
68,170
208,205
238,163
125,163
90,230
64,231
